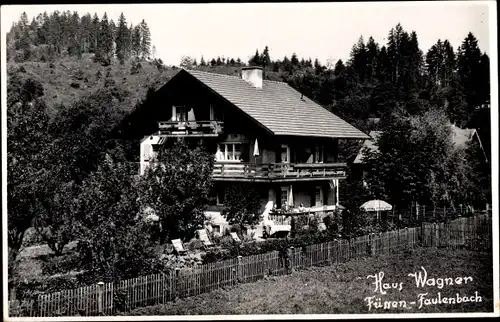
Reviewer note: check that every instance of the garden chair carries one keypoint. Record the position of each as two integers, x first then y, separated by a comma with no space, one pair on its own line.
203,236
235,237
179,248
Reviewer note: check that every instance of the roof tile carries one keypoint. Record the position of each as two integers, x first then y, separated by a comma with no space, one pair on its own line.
279,107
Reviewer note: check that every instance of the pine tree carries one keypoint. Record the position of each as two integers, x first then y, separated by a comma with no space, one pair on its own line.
122,39
265,59
294,60
113,29
383,68
75,39
23,23
358,58
94,34
339,68
105,44
255,60
372,52
202,61
85,32
468,59
145,41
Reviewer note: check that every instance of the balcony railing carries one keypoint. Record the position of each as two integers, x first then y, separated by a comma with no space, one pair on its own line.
279,170
284,217
190,128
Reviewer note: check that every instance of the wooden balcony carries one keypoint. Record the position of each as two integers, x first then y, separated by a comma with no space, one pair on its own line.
190,128
230,171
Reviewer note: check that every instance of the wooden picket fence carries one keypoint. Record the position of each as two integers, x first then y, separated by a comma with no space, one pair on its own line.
474,233
111,298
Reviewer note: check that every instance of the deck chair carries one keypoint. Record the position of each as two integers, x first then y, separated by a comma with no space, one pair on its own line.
202,234
177,243
236,238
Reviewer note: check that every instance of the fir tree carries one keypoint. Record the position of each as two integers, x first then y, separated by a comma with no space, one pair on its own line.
122,39
105,35
145,41
136,41
265,59
94,34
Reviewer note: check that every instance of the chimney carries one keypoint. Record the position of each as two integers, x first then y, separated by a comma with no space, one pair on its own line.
253,75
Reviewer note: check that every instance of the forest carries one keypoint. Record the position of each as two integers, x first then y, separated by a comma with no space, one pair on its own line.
76,86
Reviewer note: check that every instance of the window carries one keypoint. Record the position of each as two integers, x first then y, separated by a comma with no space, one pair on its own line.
215,113
229,152
180,113
284,197
318,196
285,153
318,154
216,229
220,196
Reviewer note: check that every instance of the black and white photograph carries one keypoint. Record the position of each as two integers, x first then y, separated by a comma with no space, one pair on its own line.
200,161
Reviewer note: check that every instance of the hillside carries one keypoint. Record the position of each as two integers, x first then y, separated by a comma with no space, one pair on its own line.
68,79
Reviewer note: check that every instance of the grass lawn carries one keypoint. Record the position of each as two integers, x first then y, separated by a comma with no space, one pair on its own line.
342,289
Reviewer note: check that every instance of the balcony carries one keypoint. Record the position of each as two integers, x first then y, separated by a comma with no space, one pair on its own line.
278,171
190,128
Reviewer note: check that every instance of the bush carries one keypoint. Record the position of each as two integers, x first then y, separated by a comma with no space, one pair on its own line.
32,237
74,85
59,264
136,68
233,250
78,74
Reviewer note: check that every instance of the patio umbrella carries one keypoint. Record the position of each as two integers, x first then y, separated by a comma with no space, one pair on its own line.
290,196
256,148
190,115
376,205
255,152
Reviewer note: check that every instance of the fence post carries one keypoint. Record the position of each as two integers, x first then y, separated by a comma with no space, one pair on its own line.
176,283
407,238
100,305
288,260
239,270
436,234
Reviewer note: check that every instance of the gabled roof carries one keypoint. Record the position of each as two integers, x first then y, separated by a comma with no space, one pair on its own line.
370,143
460,137
278,107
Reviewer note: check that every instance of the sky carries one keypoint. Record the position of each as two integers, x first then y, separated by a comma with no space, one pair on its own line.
326,31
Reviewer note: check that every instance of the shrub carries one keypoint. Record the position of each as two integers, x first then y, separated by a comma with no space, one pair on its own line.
60,264
32,237
74,85
78,74
136,68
